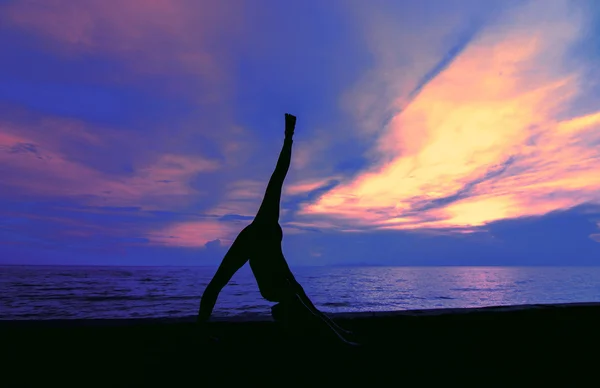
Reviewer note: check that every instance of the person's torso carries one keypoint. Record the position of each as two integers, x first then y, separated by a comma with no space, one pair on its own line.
268,262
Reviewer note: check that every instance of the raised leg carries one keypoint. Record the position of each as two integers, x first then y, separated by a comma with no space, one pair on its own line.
269,208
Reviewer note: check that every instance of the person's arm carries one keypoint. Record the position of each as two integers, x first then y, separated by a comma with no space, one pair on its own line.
299,290
208,301
232,262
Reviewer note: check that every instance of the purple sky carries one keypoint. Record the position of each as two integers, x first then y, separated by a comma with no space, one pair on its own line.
430,132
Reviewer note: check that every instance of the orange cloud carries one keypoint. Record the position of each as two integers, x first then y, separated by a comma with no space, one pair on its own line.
483,140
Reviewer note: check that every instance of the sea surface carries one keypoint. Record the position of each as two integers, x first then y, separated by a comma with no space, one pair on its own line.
58,292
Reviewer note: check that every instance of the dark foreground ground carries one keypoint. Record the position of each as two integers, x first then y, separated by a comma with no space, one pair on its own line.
504,346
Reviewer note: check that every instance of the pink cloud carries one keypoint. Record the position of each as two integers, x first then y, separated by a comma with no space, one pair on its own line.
150,36
128,26
314,147
499,103
305,186
49,158
241,197
40,162
194,234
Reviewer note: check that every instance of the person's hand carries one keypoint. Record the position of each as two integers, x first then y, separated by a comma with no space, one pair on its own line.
290,125
205,334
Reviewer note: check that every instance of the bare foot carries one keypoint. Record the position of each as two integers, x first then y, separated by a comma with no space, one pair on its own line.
290,125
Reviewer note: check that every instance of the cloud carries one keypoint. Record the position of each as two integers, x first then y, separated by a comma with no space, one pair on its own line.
242,198
460,122
596,236
306,186
166,52
154,34
485,139
233,211
56,226
44,159
193,234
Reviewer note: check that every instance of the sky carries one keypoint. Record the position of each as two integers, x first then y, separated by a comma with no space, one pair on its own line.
429,132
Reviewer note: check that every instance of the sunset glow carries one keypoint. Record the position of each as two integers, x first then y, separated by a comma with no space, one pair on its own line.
158,123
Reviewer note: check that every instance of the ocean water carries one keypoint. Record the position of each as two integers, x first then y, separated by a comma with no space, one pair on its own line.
33,292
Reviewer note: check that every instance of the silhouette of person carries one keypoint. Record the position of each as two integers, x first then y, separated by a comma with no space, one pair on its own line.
260,244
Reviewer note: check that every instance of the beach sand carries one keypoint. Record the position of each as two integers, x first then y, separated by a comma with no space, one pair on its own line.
476,347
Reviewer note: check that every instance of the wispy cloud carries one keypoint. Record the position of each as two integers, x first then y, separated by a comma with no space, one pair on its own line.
43,160
307,186
152,35
596,236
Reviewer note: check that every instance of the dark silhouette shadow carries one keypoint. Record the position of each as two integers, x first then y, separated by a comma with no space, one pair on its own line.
260,244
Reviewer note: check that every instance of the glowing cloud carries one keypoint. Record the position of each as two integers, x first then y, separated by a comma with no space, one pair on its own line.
484,139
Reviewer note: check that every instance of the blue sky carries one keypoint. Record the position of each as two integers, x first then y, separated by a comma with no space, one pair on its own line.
429,132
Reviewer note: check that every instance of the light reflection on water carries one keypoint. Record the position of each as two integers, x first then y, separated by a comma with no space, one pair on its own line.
135,292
